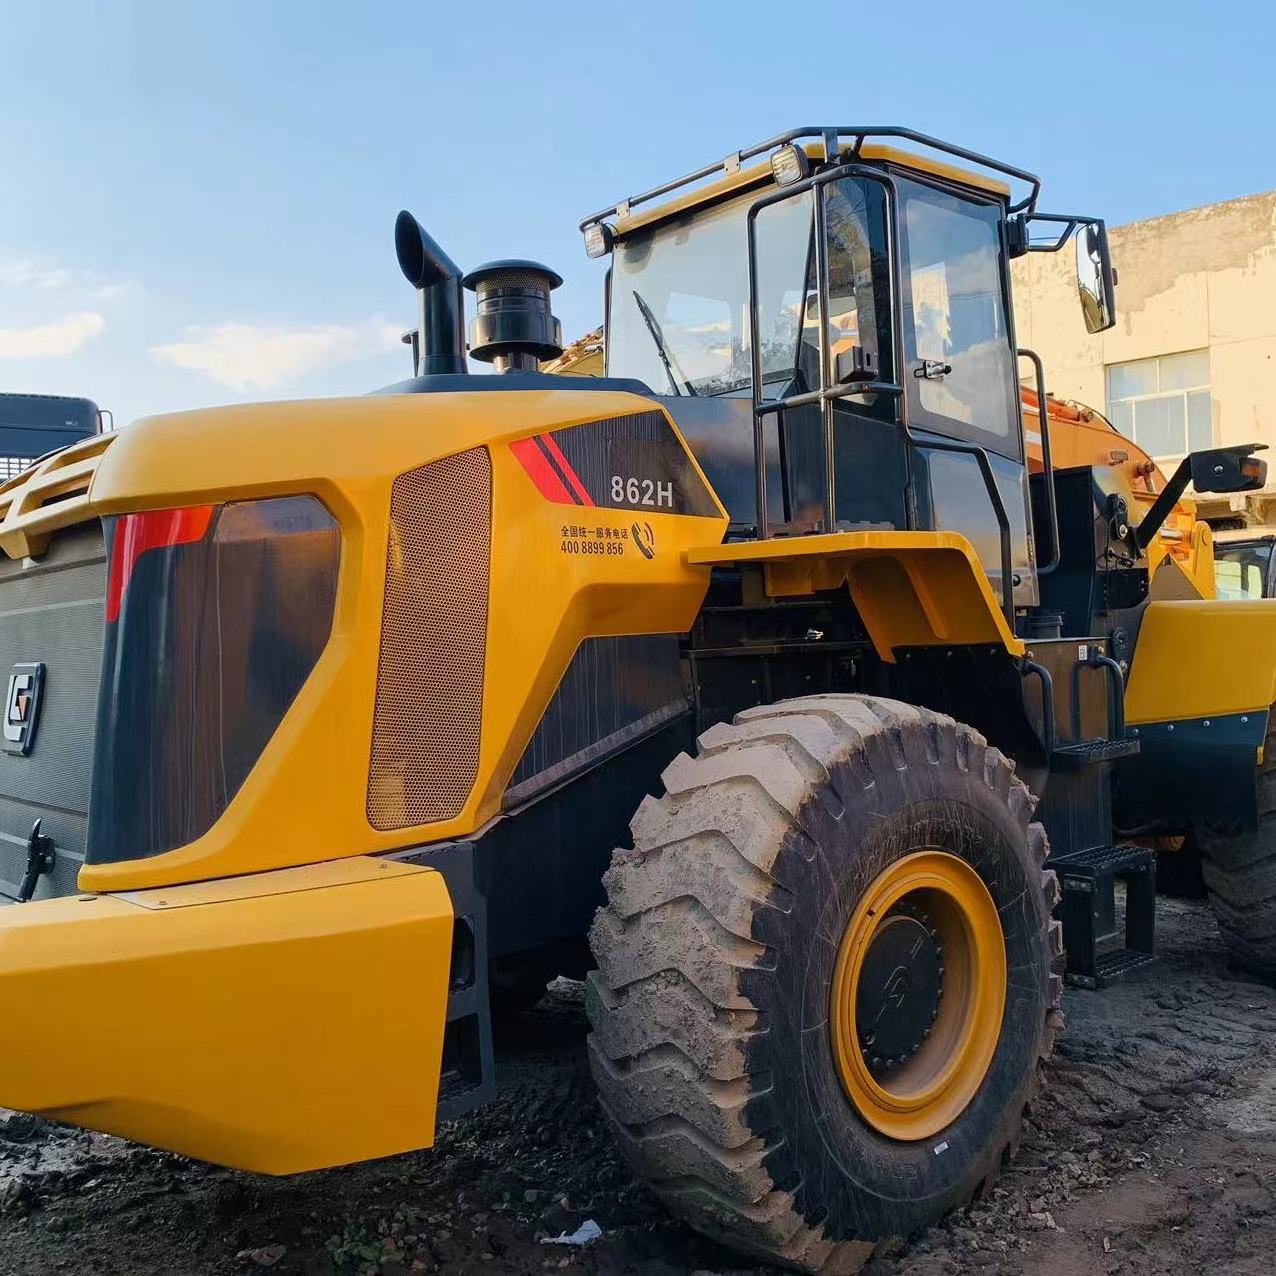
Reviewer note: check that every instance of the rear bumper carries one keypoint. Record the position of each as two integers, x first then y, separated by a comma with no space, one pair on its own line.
279,1022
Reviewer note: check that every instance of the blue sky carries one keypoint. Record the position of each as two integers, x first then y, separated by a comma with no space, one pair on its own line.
197,200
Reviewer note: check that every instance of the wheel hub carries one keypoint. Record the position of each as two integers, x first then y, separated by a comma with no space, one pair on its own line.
917,995
900,985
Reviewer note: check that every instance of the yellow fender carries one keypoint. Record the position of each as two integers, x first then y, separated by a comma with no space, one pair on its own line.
1198,697
911,589
256,1022
1194,659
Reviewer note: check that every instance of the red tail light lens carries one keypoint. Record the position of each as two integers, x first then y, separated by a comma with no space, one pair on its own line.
152,529
217,615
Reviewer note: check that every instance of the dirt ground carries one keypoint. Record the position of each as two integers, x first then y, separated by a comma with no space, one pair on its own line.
1153,1151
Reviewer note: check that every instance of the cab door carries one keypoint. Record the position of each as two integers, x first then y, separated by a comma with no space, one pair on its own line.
960,375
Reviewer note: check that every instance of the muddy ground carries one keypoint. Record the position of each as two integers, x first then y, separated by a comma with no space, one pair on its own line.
1153,1151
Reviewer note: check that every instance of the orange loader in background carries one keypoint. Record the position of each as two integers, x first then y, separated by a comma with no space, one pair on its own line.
1079,435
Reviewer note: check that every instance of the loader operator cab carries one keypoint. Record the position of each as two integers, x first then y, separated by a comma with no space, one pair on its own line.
843,314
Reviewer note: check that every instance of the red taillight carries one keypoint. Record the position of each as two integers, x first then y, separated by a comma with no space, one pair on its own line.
152,529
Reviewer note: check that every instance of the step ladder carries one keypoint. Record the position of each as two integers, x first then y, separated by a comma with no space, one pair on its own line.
1088,881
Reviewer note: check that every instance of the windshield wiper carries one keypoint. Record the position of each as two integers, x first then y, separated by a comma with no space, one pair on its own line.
658,337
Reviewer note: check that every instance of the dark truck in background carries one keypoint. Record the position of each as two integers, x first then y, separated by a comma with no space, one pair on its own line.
53,614
32,425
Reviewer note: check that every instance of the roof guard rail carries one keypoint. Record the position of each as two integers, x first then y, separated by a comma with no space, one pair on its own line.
833,139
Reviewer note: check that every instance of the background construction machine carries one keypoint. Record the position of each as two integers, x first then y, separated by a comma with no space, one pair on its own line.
33,424
1243,563
378,683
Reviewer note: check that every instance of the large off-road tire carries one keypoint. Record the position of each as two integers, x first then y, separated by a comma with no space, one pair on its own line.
1240,872
728,1058
1178,868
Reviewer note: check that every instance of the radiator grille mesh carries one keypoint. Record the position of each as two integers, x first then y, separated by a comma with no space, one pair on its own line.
429,703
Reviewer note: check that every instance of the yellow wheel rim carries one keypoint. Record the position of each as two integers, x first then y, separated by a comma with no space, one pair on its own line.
915,1095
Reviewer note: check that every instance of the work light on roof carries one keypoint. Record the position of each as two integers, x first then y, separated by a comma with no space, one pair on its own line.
789,164
598,239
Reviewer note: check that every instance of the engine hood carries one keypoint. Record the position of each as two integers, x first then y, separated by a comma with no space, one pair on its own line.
333,448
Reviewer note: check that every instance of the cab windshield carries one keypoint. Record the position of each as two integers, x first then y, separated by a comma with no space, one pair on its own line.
679,315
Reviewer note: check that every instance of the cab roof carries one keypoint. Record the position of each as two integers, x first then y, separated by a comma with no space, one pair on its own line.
716,181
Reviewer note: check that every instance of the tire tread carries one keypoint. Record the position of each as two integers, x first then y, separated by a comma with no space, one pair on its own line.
670,1028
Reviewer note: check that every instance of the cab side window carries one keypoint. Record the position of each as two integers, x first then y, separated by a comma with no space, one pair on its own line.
959,370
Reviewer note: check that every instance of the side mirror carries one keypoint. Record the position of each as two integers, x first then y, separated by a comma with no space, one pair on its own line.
1095,282
1228,469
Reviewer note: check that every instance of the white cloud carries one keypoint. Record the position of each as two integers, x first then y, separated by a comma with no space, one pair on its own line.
47,340
47,274
250,356
31,272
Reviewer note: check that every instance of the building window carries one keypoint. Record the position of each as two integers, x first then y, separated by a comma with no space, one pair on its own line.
1163,404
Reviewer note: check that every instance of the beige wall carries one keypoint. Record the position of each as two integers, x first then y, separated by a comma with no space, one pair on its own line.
1201,279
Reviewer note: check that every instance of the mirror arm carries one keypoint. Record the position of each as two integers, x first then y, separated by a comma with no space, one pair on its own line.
1249,475
1164,503
1023,236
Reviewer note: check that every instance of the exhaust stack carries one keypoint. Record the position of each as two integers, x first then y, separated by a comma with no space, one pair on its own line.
437,279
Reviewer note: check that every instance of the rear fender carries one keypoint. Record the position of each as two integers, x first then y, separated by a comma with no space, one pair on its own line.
1199,693
280,1022
911,589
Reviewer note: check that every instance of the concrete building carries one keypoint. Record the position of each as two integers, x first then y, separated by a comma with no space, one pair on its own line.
1191,362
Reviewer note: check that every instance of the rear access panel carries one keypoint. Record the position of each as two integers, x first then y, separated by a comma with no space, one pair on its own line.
51,617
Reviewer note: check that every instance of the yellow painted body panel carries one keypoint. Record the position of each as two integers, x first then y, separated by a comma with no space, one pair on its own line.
912,589
1197,658
935,167
229,1020
305,799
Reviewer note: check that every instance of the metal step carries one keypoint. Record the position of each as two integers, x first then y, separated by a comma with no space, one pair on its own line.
1088,879
1090,752
1120,964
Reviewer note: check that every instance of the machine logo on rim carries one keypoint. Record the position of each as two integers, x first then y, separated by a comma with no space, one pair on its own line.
22,708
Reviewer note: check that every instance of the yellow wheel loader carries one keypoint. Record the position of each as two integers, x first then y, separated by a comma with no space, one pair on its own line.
324,719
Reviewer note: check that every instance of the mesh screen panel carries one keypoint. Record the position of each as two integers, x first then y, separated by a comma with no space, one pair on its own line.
429,704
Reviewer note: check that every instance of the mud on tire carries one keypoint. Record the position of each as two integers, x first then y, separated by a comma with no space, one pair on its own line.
716,950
